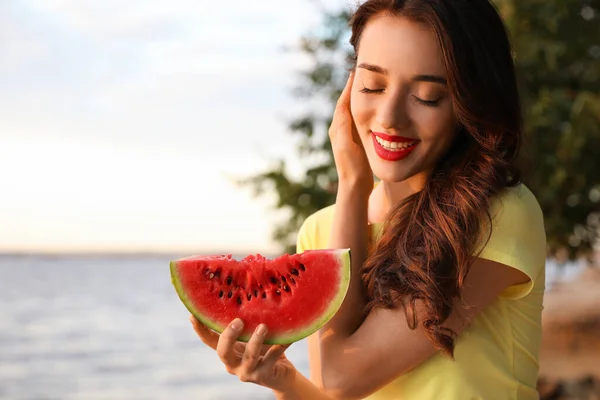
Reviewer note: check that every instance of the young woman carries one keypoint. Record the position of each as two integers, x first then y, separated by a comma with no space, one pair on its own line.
450,245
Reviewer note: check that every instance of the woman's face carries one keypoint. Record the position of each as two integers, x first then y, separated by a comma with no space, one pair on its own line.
400,101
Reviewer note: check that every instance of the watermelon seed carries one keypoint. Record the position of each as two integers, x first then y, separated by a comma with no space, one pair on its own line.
264,295
292,280
229,280
239,300
273,280
286,288
249,297
302,267
211,276
278,292
221,293
295,271
283,278
255,293
229,294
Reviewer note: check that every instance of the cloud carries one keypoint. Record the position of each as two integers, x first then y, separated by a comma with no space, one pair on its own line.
115,20
85,72
148,19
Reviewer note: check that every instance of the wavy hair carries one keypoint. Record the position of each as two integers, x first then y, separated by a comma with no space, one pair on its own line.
429,240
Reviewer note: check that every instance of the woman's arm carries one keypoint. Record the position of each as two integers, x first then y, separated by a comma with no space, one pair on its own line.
354,366
302,389
350,215
349,230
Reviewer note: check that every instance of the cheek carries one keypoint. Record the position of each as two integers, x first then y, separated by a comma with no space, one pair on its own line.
436,126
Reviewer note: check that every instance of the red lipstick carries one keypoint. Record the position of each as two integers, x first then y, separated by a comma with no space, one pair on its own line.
393,154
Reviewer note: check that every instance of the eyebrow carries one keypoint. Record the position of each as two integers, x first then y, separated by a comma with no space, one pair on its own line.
417,78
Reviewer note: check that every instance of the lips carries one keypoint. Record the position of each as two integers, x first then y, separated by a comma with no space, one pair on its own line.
393,138
393,147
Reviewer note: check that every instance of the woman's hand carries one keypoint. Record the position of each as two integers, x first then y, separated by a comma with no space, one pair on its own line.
349,154
251,362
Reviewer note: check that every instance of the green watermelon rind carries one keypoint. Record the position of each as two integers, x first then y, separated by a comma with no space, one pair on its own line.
188,303
343,256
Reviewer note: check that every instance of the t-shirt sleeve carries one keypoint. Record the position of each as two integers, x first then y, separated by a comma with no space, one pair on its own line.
314,231
517,238
303,239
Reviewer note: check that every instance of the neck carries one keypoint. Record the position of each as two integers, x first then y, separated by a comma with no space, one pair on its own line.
396,192
390,194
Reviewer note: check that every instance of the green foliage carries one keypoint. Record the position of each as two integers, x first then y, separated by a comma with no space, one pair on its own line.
557,53
557,47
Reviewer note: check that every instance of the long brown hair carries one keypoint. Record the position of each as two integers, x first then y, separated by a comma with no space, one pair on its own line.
429,240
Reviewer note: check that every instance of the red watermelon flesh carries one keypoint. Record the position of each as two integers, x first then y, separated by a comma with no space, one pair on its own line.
294,295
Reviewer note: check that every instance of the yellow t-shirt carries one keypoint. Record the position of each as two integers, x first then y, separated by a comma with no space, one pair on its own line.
497,356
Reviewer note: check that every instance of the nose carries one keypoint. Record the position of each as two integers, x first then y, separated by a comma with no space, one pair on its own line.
392,112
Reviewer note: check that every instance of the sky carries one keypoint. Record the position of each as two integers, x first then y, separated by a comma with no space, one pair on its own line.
122,123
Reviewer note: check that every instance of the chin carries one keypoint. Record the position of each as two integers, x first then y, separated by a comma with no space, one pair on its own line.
392,172
391,175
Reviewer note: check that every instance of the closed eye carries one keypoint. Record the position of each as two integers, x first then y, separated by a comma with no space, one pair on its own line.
427,103
367,90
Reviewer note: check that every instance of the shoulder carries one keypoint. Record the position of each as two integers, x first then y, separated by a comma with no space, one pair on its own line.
517,204
314,231
517,236
320,217
515,213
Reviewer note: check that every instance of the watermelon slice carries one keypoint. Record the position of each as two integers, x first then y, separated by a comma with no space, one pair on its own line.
294,295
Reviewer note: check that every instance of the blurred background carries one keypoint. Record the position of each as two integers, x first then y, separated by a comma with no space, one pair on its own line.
135,132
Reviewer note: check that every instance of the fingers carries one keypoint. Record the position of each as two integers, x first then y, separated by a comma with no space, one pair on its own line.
255,368
248,370
274,354
253,349
207,336
344,99
225,345
251,366
342,120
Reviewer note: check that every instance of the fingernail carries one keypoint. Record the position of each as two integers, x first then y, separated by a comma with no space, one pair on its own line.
261,330
237,325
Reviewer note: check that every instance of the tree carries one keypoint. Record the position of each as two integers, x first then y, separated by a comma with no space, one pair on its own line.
557,54
557,47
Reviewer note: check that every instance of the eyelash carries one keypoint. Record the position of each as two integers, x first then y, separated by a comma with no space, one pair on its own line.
426,103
